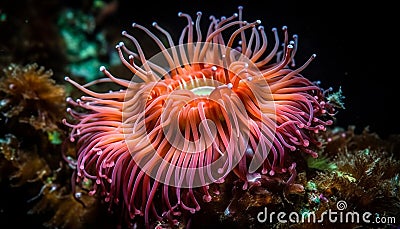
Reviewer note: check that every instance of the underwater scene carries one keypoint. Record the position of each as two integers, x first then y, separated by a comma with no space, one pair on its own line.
197,114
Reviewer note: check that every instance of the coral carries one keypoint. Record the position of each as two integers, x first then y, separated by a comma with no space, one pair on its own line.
31,168
31,162
366,177
55,199
29,95
320,163
46,188
234,207
86,48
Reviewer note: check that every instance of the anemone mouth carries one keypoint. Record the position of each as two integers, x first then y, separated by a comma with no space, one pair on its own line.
199,86
202,90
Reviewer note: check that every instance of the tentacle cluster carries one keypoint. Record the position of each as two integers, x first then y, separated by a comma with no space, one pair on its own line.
213,108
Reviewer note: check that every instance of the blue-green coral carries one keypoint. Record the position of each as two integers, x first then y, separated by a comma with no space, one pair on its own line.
85,46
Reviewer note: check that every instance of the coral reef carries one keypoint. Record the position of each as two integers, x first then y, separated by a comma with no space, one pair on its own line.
31,162
30,95
86,49
360,169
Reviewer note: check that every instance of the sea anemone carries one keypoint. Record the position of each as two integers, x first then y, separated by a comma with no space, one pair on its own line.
193,114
